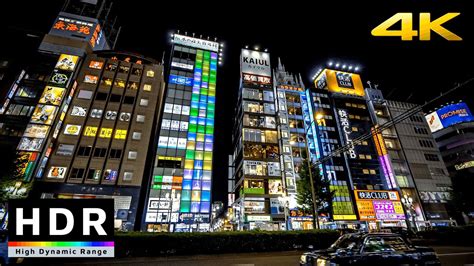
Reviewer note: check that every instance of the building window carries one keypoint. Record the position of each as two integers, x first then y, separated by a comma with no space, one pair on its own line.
101,96
111,67
431,157
132,155
136,135
365,171
111,115
105,132
140,118
136,71
115,154
115,98
120,134
372,172
132,85
127,176
143,102
402,181
96,64
150,73
119,83
426,143
91,79
93,174
124,69
77,173
96,113
100,152
147,87
129,100
83,94
106,81
125,117
84,151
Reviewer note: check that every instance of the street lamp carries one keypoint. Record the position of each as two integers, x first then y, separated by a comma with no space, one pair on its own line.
408,203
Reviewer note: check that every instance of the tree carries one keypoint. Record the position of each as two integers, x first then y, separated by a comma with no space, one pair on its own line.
321,185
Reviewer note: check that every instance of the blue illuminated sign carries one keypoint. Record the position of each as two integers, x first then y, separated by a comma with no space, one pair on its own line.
454,114
180,80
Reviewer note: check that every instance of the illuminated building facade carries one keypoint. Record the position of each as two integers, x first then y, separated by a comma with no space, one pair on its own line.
362,177
257,162
296,138
103,136
179,192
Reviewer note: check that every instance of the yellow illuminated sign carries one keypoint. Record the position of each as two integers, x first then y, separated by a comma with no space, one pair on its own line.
105,132
90,131
340,82
120,134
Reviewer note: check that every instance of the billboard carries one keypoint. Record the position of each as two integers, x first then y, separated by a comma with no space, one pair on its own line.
448,116
255,63
379,205
340,82
196,43
52,95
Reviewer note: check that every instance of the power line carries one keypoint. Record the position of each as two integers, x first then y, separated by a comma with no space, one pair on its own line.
388,124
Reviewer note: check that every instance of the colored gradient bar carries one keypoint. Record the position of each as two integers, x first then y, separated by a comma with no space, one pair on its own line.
60,244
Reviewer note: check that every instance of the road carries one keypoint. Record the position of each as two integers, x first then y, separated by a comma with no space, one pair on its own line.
449,255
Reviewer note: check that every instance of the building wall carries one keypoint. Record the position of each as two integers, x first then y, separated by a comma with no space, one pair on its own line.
424,159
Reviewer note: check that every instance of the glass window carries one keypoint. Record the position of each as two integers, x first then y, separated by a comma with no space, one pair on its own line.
91,79
96,113
147,87
136,135
132,155
165,124
127,176
140,118
385,244
83,94
168,108
143,102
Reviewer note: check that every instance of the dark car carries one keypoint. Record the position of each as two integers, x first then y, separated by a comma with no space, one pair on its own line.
371,249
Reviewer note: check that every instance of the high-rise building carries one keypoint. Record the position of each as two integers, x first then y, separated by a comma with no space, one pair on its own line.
361,177
102,141
258,174
295,128
424,161
397,156
452,127
50,72
179,192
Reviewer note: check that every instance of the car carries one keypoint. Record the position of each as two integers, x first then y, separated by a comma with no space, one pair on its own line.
371,249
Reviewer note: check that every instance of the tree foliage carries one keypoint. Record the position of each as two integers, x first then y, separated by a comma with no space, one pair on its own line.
303,186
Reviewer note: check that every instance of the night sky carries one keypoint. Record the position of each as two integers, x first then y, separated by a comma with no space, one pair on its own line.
304,36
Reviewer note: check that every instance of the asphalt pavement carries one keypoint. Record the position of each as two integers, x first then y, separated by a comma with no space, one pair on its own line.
449,255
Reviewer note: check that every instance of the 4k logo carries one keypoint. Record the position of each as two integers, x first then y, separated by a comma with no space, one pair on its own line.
426,26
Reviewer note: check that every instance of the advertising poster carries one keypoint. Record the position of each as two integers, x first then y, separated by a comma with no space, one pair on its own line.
78,111
36,131
52,95
44,114
57,172
72,130
60,78
30,144
67,62
275,186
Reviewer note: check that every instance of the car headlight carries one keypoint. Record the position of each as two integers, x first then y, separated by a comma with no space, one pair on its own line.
323,262
303,258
